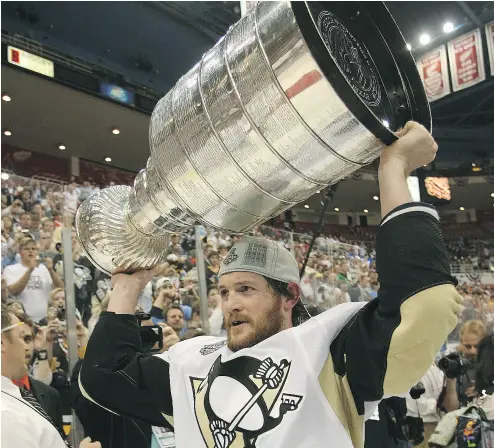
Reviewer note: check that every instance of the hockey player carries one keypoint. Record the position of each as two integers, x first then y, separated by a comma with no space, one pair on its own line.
278,379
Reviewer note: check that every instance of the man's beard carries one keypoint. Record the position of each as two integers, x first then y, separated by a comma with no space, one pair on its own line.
269,325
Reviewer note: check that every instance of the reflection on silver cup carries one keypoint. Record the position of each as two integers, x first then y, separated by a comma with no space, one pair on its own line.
291,100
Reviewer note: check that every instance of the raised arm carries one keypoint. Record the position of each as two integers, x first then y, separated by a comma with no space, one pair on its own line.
115,374
392,341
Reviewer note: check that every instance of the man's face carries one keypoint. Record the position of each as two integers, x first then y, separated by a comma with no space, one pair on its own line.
213,296
58,300
26,221
468,345
251,311
174,239
45,240
48,227
168,288
16,206
175,319
344,268
214,260
15,350
28,252
68,220
29,341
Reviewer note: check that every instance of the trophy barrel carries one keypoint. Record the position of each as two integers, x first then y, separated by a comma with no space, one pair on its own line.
296,96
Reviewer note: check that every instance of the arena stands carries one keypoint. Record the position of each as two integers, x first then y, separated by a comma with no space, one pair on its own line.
341,266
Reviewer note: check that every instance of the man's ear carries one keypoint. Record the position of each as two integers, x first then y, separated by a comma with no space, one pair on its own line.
295,292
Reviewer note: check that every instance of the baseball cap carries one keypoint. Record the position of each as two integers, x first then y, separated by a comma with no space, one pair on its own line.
162,282
269,259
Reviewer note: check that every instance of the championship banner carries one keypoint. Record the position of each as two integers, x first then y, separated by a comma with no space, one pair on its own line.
489,35
433,69
466,60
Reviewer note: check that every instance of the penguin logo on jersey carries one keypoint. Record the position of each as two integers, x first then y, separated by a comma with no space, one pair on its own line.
241,399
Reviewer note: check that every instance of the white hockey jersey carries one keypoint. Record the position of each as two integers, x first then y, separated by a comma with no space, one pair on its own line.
263,396
309,386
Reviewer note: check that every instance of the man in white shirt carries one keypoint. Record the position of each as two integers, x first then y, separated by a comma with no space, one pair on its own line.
32,281
24,422
23,425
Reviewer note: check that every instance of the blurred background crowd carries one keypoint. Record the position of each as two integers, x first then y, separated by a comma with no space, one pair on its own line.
340,268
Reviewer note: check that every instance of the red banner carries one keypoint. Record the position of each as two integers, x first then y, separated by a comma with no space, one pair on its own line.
466,60
489,34
433,69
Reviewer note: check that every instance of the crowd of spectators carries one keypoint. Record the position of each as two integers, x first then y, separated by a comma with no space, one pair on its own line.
339,270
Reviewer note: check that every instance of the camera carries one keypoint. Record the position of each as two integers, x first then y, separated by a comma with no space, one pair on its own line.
149,335
454,365
61,313
417,391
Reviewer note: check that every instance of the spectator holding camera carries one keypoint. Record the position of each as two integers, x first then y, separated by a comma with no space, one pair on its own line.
32,281
167,308
212,269
461,390
57,337
83,278
165,296
484,376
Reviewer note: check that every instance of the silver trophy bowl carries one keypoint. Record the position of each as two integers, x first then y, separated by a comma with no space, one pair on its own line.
295,97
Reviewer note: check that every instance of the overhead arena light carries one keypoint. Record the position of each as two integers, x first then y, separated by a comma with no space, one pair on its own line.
448,27
424,39
6,98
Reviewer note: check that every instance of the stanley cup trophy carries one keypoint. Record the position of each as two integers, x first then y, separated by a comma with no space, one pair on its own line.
295,97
